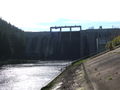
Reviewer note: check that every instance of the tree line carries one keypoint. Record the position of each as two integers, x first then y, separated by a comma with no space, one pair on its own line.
12,41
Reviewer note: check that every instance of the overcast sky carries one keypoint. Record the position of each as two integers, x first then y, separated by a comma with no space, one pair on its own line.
37,15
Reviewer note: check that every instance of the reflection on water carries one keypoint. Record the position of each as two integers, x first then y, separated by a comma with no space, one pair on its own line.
29,76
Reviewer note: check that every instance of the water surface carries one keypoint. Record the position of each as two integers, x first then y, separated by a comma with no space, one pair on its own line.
29,76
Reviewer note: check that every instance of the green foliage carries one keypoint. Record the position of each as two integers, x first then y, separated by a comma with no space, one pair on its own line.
113,43
109,78
78,62
110,45
116,41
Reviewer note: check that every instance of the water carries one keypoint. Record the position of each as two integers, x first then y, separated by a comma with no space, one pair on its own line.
29,76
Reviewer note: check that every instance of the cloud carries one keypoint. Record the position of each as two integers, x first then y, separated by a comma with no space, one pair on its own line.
34,14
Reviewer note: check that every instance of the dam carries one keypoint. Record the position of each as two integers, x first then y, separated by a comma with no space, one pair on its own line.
67,45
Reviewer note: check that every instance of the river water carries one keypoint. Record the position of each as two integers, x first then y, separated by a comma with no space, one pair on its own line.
29,76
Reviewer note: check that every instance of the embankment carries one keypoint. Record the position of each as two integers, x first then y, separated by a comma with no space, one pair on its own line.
98,73
72,78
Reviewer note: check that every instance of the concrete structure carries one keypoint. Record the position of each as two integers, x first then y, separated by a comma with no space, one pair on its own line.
67,45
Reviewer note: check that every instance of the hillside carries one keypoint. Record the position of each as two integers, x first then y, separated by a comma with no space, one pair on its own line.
12,41
98,73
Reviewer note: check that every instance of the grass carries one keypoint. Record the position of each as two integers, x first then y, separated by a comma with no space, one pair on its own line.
109,78
48,86
78,62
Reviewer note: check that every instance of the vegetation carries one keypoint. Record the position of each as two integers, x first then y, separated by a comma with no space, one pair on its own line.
109,78
78,62
12,41
113,43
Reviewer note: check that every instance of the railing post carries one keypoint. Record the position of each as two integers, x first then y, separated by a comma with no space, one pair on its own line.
70,33
80,28
50,29
60,34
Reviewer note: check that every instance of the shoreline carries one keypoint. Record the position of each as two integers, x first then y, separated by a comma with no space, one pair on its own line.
77,76
64,82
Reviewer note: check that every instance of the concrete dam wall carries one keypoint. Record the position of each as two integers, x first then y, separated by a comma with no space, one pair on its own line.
67,45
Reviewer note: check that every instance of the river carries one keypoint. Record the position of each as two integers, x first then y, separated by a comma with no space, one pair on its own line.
30,76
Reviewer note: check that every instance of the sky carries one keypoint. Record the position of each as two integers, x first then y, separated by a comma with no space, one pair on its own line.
40,15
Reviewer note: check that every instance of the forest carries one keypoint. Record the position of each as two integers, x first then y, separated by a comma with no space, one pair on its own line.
12,41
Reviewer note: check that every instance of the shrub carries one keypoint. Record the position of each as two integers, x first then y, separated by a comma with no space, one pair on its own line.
110,45
113,43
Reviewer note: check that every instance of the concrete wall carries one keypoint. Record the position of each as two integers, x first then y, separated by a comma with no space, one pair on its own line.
56,45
